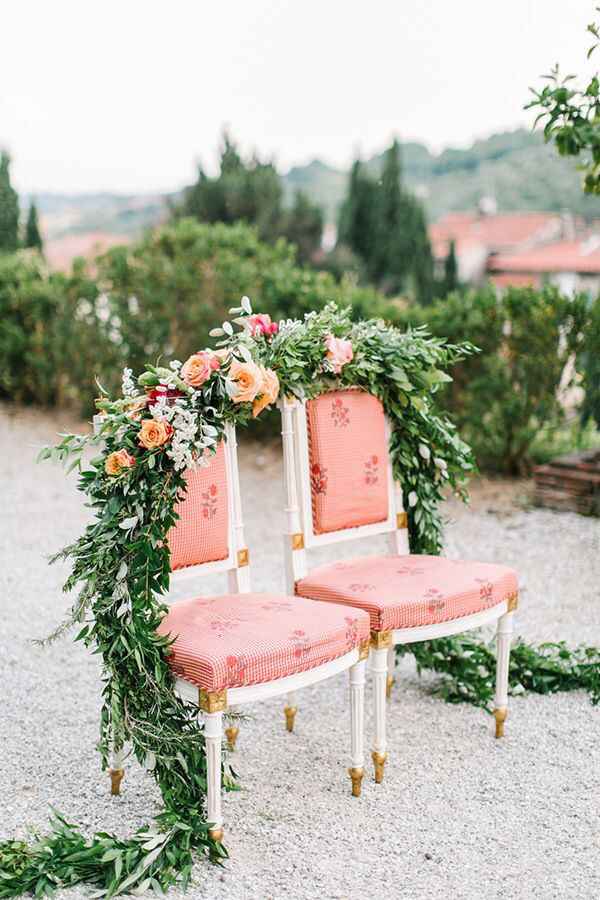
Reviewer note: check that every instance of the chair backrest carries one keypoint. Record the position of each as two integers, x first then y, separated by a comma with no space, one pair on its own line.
338,475
209,535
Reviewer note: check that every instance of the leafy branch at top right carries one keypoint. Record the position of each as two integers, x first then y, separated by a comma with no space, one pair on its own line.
571,117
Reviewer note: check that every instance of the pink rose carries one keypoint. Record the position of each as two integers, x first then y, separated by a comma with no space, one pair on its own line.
117,461
260,324
199,367
339,352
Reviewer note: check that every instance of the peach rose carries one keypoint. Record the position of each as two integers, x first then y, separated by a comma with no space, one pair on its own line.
154,433
118,460
199,367
248,377
339,352
268,392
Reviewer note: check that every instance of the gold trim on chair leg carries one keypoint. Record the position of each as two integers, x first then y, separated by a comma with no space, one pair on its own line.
500,715
389,684
379,760
290,716
116,777
216,834
231,734
356,775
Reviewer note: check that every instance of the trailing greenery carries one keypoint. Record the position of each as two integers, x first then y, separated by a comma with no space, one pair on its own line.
468,667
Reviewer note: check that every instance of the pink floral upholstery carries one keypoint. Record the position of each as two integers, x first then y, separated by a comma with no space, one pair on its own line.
348,458
408,591
240,639
201,534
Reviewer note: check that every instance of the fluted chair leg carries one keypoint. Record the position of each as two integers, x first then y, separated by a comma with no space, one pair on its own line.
380,644
504,635
357,725
213,732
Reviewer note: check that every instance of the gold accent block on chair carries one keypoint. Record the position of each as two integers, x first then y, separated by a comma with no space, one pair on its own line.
381,640
297,541
513,602
401,520
290,716
363,648
243,557
389,684
212,701
231,734
216,834
379,760
116,777
356,775
500,715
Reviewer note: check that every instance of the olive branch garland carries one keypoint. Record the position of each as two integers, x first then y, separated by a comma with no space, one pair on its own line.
121,568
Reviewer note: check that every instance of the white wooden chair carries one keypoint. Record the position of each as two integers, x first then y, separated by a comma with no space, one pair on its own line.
242,647
339,486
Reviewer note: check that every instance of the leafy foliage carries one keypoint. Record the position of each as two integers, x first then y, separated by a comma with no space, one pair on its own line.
503,397
468,666
571,117
252,192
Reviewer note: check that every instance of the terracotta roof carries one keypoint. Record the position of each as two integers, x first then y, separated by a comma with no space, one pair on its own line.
561,256
502,231
61,252
515,279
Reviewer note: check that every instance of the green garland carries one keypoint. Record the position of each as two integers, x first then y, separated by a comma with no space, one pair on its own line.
120,565
468,667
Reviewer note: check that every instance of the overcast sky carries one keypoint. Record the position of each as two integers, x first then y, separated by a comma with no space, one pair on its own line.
127,95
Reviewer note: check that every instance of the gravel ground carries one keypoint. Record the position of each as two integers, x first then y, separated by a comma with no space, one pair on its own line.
459,815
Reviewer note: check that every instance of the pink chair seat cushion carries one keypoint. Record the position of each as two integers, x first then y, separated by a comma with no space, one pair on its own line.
240,639
409,591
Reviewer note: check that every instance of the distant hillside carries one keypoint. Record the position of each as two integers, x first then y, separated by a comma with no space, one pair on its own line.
517,168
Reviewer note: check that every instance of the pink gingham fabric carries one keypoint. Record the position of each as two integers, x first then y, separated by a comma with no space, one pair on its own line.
240,639
348,460
408,591
201,533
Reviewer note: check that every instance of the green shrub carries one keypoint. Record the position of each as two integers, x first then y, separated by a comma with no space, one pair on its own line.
503,397
159,297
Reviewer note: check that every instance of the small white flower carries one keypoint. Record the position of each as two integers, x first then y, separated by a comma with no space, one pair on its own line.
412,499
128,384
440,463
425,451
175,365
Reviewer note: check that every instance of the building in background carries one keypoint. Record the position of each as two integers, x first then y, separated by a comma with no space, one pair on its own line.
520,248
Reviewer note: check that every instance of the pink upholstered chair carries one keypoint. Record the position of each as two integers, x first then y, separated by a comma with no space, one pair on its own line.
240,647
339,486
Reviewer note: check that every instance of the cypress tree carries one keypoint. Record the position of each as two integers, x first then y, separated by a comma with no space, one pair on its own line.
33,237
356,221
9,208
450,270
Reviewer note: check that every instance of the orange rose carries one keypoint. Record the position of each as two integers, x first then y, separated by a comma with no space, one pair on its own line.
154,433
118,460
249,379
199,367
268,392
